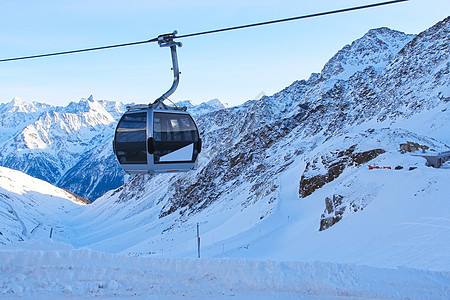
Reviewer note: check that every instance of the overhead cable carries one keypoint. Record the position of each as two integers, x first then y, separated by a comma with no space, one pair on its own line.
293,18
208,32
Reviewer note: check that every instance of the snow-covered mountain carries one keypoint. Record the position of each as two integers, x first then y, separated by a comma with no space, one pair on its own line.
321,171
197,110
311,145
68,146
257,141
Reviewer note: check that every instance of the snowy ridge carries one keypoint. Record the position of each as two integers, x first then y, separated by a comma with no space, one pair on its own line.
375,49
16,115
202,108
53,139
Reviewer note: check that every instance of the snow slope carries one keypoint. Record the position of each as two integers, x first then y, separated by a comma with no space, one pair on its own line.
396,248
391,218
31,208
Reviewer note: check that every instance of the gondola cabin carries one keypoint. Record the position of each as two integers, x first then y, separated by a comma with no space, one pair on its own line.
153,140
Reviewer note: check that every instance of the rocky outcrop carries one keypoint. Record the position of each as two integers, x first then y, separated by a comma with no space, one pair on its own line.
325,169
334,211
412,147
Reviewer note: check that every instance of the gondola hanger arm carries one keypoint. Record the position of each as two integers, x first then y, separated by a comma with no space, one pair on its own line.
167,40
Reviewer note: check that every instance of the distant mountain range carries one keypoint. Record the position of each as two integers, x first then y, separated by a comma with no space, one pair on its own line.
69,146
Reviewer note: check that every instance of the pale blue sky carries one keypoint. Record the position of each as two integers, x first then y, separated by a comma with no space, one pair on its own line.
233,66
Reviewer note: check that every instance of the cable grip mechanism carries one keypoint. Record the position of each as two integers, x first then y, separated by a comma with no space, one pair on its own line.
166,40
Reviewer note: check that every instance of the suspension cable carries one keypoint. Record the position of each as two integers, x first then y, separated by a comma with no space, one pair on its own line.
208,32
292,19
79,50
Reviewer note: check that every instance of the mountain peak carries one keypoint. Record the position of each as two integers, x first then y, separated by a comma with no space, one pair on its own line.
376,48
187,103
382,32
217,103
19,105
18,101
84,105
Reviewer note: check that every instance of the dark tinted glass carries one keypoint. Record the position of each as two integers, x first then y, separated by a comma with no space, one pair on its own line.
131,135
171,132
174,127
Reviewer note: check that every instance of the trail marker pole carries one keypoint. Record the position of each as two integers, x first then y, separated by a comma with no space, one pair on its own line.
198,240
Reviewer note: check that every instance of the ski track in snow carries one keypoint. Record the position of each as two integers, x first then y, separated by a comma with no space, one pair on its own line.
24,228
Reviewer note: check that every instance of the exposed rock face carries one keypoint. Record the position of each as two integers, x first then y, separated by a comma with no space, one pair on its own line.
336,208
333,213
412,147
325,169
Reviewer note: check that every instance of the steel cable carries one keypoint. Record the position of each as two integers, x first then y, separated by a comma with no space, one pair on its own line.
208,32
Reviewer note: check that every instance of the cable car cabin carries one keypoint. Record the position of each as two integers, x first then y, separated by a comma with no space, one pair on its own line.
156,138
149,140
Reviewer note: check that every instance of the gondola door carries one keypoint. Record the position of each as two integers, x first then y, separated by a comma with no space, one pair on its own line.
175,141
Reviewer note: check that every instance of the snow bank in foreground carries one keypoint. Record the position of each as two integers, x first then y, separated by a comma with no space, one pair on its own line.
64,272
